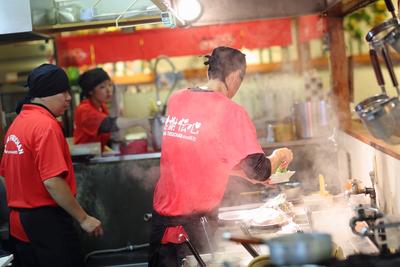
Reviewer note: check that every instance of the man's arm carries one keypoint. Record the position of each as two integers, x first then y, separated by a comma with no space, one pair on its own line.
62,195
259,167
256,166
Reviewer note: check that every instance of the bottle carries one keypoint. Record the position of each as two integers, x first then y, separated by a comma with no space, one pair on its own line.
270,133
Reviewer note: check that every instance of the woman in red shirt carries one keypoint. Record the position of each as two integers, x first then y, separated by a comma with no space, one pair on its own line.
92,122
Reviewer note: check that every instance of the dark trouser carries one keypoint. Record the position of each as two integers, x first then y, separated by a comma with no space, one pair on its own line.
54,241
171,255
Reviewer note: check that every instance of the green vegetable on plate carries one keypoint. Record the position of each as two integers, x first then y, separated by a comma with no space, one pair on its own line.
281,170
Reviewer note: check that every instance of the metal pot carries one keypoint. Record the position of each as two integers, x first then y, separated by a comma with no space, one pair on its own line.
382,119
293,191
294,249
311,118
300,248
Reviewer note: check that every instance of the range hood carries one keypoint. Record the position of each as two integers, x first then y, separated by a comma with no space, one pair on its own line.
16,22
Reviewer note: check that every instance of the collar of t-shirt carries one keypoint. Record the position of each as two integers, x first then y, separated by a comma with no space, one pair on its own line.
198,89
44,110
31,106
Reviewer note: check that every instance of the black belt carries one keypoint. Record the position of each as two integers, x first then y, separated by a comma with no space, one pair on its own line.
180,220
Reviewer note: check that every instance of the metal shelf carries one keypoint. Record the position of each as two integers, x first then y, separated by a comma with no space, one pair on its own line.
341,8
97,24
299,142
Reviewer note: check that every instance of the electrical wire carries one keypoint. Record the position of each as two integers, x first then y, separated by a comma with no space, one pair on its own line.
123,249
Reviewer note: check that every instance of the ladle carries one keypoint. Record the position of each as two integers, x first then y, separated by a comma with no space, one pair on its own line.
390,7
389,66
377,69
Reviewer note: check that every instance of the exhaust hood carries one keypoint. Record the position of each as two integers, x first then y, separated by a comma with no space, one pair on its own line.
16,22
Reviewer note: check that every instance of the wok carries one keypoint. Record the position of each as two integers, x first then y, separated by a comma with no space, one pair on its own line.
294,249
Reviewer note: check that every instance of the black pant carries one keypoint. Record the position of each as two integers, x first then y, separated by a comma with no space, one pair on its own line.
171,255
54,241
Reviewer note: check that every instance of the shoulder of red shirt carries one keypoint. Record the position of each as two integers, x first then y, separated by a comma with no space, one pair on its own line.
47,117
86,104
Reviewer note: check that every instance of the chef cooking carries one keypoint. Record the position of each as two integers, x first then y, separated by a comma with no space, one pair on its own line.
206,135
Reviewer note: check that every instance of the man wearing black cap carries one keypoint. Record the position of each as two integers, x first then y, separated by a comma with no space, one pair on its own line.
40,180
92,121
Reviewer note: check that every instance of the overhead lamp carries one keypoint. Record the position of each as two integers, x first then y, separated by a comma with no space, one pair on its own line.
189,10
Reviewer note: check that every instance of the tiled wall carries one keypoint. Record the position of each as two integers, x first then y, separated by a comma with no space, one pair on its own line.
364,159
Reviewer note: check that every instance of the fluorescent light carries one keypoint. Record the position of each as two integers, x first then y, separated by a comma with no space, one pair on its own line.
189,10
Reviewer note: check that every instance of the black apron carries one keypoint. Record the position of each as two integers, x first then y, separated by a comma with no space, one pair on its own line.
171,255
53,239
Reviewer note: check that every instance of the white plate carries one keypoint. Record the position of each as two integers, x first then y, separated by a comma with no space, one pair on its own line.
262,216
283,177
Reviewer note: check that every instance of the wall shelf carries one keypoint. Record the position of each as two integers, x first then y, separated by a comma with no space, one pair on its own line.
140,20
317,63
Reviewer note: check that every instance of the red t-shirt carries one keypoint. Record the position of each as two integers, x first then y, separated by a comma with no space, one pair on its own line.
87,121
35,150
205,136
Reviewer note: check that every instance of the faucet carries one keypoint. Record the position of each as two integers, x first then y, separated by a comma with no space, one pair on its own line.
356,187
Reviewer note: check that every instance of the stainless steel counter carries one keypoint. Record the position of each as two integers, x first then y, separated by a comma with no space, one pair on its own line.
104,159
265,145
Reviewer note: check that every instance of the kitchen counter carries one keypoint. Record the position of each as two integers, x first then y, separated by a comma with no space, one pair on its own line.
143,156
263,142
312,214
119,189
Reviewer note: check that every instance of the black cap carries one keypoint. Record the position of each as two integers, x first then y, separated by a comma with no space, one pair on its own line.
45,80
91,78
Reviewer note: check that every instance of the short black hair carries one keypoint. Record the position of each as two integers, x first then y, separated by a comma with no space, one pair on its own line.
224,60
90,79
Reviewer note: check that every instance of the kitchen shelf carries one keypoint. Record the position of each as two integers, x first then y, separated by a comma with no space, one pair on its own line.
299,142
341,8
317,63
97,24
358,131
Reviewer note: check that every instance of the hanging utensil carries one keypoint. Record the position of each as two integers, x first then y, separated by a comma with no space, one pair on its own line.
387,32
374,101
377,69
389,66
380,114
390,8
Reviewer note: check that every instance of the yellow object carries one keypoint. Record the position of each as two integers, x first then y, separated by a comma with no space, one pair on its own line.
260,261
322,190
283,132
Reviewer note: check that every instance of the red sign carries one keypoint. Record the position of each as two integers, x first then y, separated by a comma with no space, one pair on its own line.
311,27
148,44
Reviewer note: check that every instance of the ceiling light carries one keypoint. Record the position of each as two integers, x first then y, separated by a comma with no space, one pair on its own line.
189,10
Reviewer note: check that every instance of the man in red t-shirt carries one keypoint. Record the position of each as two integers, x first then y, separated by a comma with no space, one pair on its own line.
92,122
39,178
205,137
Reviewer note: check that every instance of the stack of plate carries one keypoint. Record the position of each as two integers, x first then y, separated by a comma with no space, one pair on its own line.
282,177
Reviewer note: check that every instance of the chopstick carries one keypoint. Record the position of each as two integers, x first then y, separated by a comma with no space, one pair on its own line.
243,240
